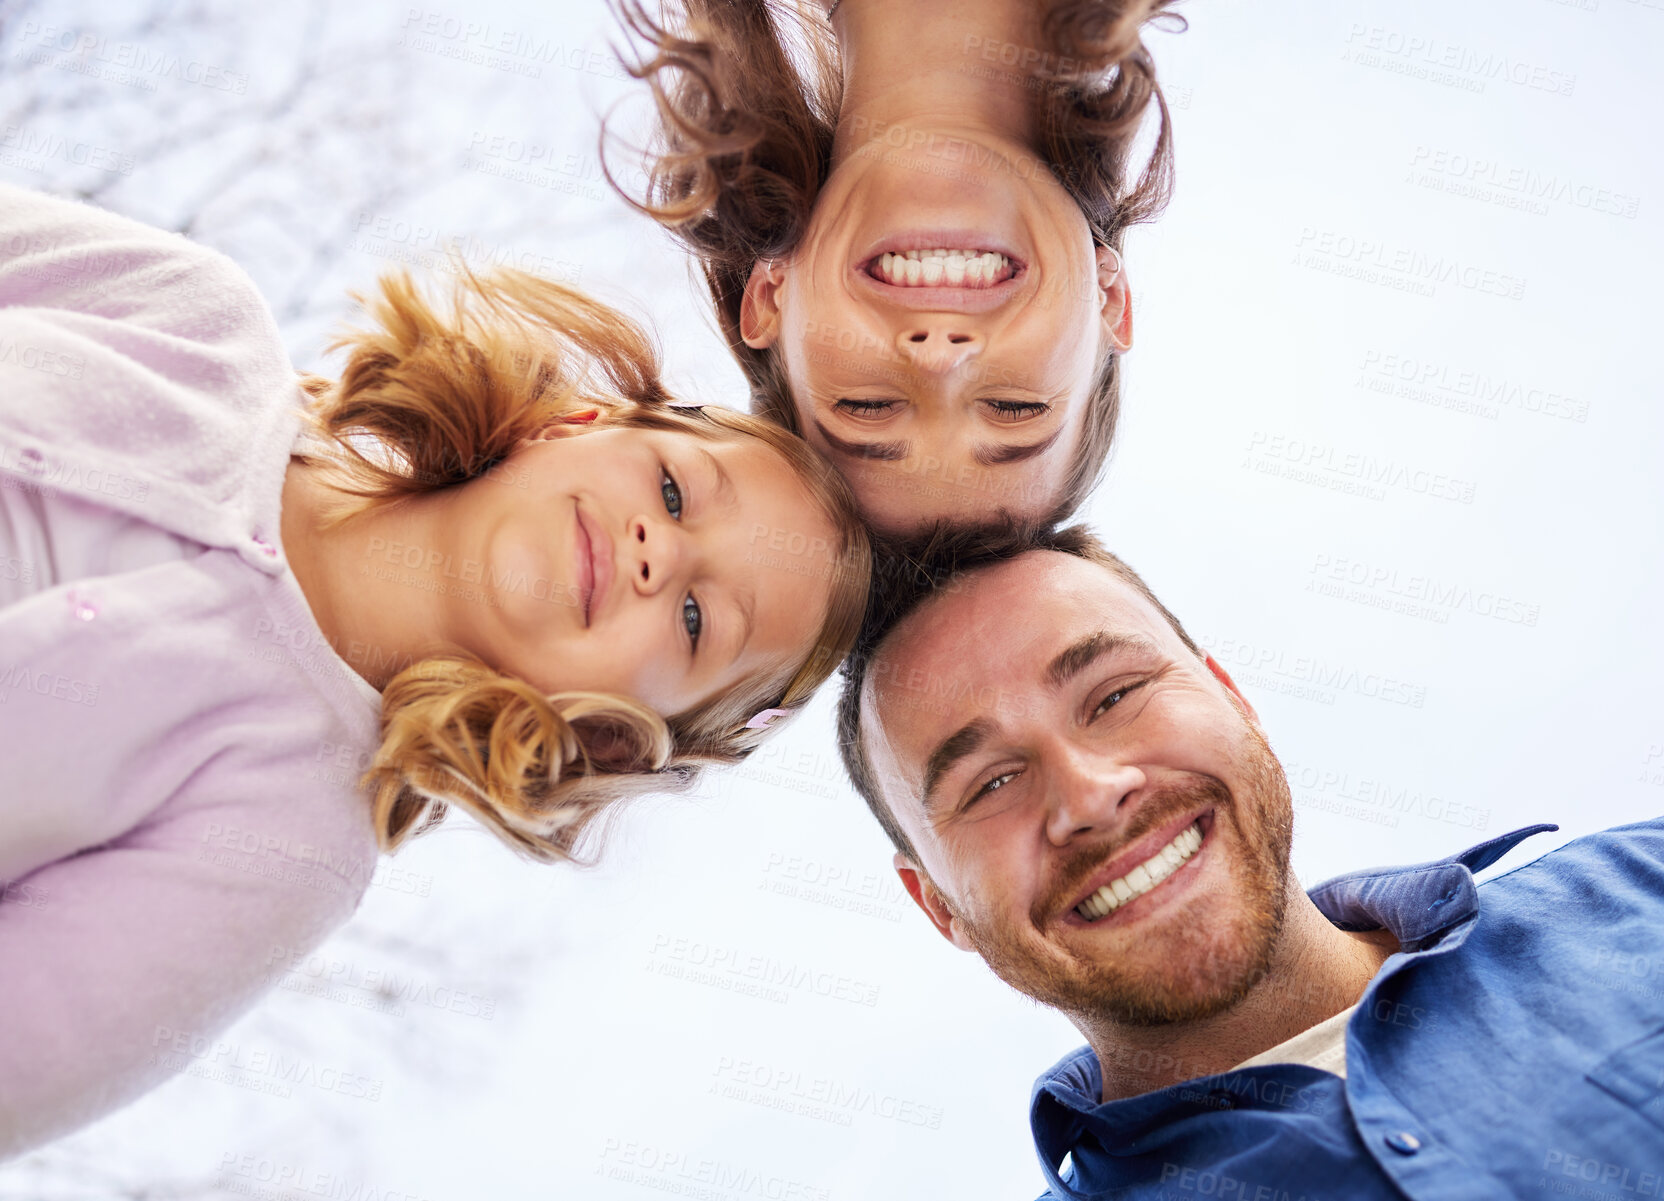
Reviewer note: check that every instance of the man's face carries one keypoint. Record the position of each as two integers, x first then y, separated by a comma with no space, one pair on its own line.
1052,748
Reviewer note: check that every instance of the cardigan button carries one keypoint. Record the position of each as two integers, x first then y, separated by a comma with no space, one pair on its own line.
1403,1142
83,609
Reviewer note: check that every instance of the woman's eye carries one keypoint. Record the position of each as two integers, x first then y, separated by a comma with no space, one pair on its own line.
866,408
672,493
1017,410
692,619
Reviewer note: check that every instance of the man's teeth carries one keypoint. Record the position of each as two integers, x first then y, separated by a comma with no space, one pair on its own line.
1144,877
939,268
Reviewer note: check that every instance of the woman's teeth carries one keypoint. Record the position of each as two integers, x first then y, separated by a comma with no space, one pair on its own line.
1144,877
944,268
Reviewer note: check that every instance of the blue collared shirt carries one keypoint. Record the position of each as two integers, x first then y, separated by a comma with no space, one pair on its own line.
1513,1048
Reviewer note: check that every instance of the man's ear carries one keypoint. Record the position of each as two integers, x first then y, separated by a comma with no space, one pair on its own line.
1224,677
1117,299
760,305
568,424
926,897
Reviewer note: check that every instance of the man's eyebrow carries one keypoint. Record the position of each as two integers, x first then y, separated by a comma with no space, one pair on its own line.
962,742
997,456
1083,653
884,452
724,482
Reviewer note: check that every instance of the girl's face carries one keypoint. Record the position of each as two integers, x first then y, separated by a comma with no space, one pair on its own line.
653,564
947,388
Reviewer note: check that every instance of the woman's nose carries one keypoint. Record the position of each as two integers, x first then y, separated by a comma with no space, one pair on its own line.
658,551
938,345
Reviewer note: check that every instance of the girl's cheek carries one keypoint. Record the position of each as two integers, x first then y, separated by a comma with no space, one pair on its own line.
647,662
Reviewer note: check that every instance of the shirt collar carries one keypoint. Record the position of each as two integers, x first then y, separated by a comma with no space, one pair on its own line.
1419,904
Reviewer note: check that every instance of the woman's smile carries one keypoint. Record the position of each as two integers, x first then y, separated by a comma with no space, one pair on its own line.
942,280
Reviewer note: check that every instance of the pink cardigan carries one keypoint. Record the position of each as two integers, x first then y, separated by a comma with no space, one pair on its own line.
179,745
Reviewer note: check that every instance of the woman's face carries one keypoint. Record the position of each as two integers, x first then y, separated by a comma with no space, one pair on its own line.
947,388
653,564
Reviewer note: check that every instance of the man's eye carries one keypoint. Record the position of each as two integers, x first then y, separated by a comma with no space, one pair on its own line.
1017,410
692,619
866,408
1113,699
671,491
991,787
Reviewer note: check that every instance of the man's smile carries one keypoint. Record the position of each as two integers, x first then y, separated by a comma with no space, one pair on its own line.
1140,869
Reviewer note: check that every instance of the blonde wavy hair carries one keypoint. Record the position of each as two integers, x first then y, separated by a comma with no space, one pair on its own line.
435,396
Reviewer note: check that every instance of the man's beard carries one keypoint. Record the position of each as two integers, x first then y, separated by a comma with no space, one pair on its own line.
1194,962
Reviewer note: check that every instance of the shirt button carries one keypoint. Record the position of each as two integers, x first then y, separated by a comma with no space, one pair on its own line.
1403,1142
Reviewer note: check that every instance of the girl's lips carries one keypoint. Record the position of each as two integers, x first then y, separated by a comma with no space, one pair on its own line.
585,554
595,565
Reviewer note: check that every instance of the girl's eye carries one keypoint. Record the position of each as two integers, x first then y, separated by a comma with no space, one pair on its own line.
692,619
672,494
1017,410
866,408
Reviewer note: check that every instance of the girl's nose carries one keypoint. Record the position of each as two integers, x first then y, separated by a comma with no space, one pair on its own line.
657,552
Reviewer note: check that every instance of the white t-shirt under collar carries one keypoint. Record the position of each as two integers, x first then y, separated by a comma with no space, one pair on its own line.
1323,1046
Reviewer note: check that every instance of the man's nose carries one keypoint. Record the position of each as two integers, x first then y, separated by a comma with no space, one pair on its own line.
657,552
1086,792
938,344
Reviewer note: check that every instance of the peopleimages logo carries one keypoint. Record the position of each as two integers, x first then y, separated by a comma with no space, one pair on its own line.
1309,461
1444,385
736,970
20,678
30,148
1492,180
1407,268
1310,677
304,964
677,1172
1420,595
1435,60
1361,796
261,1176
514,51
255,1068
385,236
67,477
128,62
774,1086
